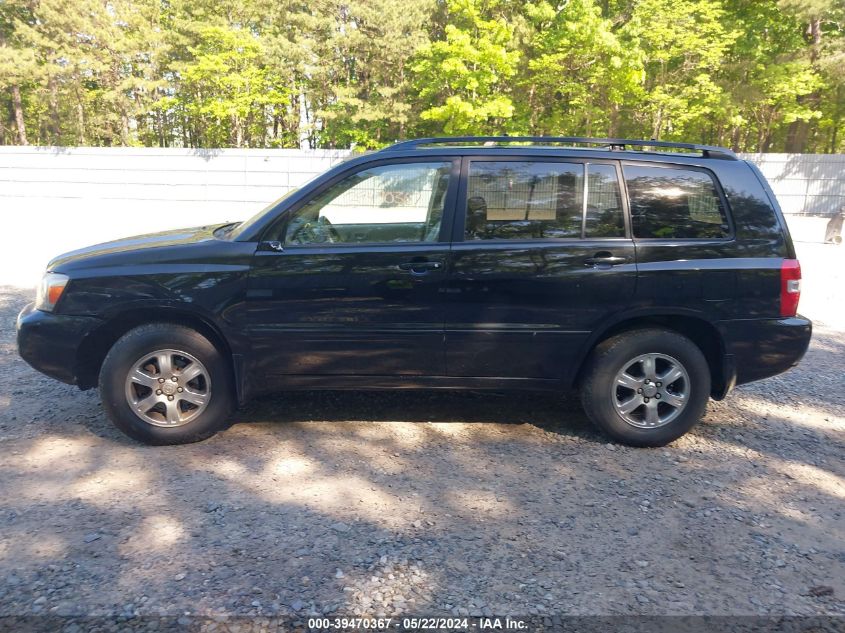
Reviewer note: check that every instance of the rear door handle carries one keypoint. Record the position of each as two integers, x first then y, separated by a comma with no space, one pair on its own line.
420,267
604,259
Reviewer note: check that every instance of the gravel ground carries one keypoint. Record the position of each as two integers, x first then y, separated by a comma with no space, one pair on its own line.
425,503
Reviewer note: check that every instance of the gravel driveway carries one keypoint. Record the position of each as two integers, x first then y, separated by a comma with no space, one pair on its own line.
424,503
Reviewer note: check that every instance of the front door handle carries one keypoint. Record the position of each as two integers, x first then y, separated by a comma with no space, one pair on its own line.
420,267
604,259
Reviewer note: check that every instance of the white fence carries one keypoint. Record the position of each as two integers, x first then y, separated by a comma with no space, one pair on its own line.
53,199
806,184
56,199
238,181
231,181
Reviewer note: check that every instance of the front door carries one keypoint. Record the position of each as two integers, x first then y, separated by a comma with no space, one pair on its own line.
350,282
542,254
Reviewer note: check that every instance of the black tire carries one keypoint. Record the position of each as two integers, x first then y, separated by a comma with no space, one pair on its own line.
144,340
598,384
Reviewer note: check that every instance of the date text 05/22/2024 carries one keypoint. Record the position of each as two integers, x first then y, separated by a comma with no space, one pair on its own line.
418,624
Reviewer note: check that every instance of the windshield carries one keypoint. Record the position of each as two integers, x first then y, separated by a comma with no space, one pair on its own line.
242,226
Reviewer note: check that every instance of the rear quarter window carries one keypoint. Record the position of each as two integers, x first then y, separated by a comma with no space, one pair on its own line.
671,203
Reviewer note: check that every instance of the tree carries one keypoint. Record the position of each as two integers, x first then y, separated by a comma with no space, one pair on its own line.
461,80
577,74
685,42
222,88
365,84
17,62
823,26
287,73
764,77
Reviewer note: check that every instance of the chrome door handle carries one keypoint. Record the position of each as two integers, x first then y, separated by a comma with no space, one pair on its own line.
420,268
604,260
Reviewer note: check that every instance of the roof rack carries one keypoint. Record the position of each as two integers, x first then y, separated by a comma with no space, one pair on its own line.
613,144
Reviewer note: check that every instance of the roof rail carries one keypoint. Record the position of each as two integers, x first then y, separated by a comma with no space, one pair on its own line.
614,144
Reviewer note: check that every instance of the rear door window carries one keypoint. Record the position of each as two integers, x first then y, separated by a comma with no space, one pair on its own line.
672,203
533,200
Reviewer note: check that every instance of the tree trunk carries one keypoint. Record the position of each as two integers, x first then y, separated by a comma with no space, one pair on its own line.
766,140
796,137
735,138
160,128
613,127
239,131
658,125
532,116
124,128
55,125
17,105
799,131
80,119
837,122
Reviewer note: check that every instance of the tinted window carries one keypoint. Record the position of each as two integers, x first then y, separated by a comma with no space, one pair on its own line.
391,203
604,203
674,203
524,200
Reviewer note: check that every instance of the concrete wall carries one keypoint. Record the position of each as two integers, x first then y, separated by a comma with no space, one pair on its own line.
57,199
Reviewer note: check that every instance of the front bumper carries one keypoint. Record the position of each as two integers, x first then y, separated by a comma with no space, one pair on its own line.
761,348
50,342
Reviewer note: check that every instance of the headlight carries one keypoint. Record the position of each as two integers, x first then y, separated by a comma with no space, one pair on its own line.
50,291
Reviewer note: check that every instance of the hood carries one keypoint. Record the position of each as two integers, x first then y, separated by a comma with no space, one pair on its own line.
126,248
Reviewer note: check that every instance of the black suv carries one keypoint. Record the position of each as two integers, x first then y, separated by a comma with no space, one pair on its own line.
648,279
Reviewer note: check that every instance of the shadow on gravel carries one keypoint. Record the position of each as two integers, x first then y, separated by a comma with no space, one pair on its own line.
799,408
553,413
486,501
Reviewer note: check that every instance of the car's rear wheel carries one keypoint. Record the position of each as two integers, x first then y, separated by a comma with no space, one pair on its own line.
646,387
166,384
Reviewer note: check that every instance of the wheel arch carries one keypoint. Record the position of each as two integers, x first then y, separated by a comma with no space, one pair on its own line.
696,328
92,352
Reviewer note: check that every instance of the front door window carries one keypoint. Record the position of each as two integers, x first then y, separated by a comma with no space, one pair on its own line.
400,203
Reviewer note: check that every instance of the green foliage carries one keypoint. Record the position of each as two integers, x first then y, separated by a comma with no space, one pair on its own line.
462,79
221,86
759,76
578,72
687,42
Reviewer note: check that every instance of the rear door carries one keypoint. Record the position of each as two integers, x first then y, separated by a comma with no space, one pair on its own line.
541,254
351,281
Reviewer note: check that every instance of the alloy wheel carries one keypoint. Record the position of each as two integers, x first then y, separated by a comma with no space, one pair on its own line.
651,390
168,387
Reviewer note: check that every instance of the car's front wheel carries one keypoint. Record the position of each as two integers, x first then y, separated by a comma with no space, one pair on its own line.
164,383
646,387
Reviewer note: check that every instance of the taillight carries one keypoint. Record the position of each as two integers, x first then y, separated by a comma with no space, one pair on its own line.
790,287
